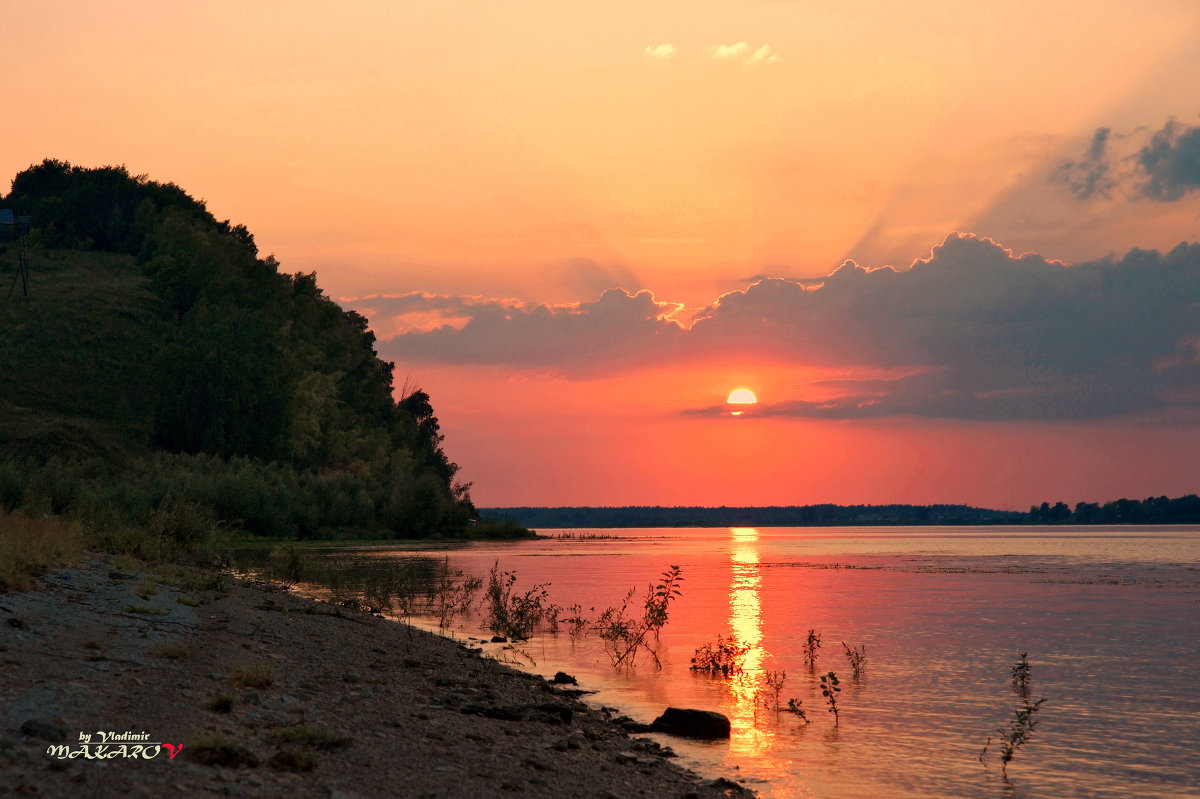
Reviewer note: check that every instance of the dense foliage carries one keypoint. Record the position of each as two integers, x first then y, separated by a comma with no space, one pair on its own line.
162,359
1152,510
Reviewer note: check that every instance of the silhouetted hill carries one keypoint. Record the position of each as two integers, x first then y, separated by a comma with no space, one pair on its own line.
160,363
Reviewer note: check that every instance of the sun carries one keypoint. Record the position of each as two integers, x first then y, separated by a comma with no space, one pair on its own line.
741,396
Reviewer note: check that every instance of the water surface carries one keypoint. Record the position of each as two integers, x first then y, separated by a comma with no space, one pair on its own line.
1110,618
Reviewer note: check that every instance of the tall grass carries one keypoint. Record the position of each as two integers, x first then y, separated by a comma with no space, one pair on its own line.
30,547
401,587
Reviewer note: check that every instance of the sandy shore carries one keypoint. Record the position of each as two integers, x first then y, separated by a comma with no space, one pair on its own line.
272,695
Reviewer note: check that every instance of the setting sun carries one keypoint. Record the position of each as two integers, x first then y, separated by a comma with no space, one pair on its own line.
741,396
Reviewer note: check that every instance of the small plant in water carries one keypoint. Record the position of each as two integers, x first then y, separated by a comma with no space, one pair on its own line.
624,636
577,623
289,563
553,618
513,614
811,645
830,690
856,657
1021,673
1016,734
1024,719
452,593
796,706
388,586
772,687
724,658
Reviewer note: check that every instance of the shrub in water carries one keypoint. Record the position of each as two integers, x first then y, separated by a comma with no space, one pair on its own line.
724,658
830,690
1024,719
796,706
1021,674
811,645
289,564
509,613
772,687
624,636
856,658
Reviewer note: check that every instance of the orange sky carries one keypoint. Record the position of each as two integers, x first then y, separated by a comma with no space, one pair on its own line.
545,152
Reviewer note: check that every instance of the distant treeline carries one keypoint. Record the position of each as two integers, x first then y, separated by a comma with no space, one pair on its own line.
789,516
1160,510
1152,510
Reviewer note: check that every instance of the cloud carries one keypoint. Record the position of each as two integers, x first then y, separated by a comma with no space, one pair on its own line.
729,51
418,311
763,55
982,332
661,52
608,333
1163,166
1091,174
974,331
1172,162
745,53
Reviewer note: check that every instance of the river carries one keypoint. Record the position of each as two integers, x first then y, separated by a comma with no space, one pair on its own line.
1109,619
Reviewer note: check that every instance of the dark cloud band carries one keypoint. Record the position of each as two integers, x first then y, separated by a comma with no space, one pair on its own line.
979,332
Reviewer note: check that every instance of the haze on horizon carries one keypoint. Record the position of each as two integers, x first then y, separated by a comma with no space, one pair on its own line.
939,242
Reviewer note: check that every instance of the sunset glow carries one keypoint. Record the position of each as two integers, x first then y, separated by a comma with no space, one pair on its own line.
910,227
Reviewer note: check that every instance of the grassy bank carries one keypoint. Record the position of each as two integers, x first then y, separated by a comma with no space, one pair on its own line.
31,547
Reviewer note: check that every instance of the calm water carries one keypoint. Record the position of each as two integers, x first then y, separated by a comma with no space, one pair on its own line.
1110,618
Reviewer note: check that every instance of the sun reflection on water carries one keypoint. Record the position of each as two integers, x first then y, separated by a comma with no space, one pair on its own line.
745,620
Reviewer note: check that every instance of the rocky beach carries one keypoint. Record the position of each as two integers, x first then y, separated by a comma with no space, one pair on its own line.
118,682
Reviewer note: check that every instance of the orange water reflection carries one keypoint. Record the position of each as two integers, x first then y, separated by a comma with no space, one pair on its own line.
745,620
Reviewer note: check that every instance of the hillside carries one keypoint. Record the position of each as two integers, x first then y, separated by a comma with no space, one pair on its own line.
161,369
77,355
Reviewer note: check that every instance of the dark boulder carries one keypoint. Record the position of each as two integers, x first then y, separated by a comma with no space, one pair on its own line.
688,723
47,730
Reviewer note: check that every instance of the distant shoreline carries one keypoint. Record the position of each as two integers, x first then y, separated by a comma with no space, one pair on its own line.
1153,510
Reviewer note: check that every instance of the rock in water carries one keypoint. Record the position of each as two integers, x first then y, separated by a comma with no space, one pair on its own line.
688,723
